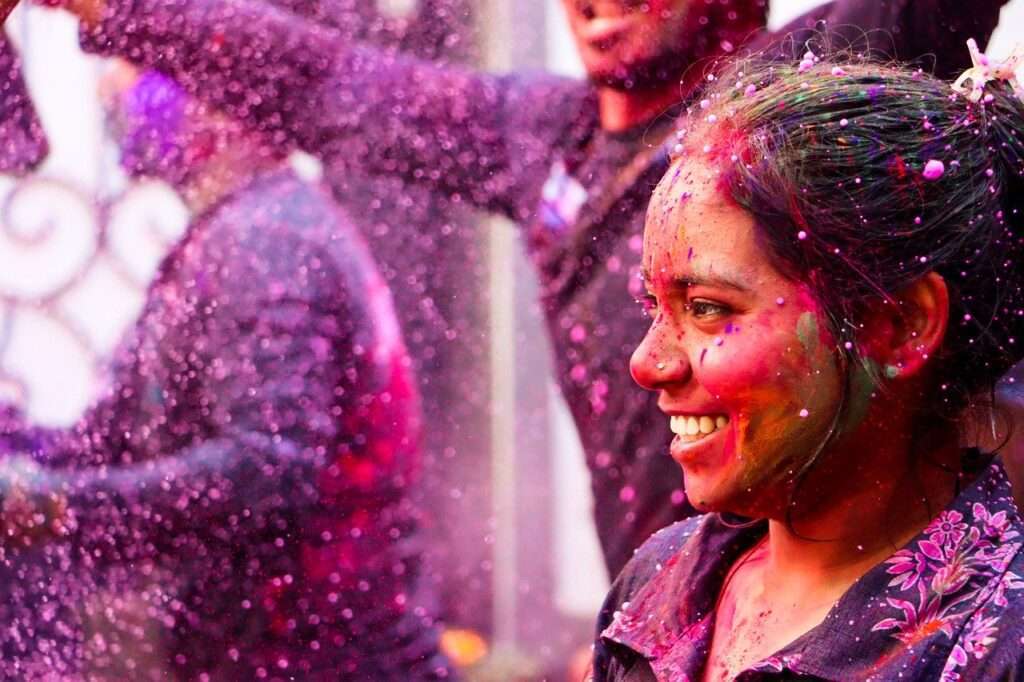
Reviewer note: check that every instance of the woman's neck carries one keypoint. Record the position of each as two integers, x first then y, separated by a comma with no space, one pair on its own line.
875,499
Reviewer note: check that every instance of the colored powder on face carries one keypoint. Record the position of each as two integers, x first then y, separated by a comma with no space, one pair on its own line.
862,385
807,332
153,123
702,354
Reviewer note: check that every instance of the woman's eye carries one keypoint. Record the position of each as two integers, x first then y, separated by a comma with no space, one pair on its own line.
649,304
704,309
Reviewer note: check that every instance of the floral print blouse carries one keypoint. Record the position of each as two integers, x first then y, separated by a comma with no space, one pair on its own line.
947,606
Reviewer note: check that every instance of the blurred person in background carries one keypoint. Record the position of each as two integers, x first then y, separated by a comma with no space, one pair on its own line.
237,505
573,162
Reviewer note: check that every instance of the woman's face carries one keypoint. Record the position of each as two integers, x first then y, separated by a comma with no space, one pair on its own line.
744,365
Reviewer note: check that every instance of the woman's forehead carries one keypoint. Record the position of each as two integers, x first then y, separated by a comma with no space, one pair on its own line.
693,226
691,203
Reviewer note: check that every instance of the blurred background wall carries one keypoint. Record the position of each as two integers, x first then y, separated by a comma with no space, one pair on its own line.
505,485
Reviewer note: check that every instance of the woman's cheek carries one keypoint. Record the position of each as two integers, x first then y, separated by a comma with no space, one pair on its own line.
731,366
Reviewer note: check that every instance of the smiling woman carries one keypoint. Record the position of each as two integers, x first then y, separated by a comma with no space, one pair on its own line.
834,280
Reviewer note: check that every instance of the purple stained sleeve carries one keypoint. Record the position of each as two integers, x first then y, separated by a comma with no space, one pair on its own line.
22,142
301,82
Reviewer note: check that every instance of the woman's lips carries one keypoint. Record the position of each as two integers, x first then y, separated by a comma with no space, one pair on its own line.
694,426
695,434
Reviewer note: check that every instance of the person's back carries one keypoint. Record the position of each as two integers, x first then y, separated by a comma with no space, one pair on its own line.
241,496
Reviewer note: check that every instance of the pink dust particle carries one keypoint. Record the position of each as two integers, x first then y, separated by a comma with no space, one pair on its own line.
848,345
707,148
917,220
967,317
934,169
627,494
804,413
705,103
577,333
843,123
989,172
719,340
750,90
578,373
712,118
780,301
801,235
677,150
677,497
838,71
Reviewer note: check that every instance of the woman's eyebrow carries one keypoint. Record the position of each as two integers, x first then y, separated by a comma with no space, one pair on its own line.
709,280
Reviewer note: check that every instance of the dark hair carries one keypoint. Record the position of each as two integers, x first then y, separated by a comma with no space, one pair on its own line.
863,178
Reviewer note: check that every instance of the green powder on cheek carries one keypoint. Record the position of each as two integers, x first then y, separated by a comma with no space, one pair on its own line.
862,385
807,333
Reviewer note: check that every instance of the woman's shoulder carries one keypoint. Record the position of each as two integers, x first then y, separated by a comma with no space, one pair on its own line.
650,557
990,645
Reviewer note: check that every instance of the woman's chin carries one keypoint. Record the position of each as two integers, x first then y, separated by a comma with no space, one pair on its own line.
710,494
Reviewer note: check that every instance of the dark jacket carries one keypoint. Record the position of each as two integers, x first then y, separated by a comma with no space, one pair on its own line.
240,499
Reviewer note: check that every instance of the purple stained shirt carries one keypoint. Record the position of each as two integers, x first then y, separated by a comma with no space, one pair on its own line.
495,142
22,142
240,500
948,606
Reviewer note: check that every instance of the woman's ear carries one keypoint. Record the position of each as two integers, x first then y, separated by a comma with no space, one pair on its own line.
902,333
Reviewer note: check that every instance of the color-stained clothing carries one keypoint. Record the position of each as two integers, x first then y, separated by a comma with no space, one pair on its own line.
22,143
240,499
528,146
947,606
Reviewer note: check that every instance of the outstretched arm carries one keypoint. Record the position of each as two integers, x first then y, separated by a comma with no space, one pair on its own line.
307,86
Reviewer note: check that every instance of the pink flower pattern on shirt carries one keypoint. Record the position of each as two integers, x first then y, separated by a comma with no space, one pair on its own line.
952,570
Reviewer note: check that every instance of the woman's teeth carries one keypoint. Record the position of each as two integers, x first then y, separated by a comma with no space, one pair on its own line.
693,427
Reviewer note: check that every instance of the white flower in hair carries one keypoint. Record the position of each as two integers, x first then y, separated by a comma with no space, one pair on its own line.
985,69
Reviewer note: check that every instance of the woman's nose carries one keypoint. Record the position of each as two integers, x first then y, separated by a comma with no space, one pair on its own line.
659,359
